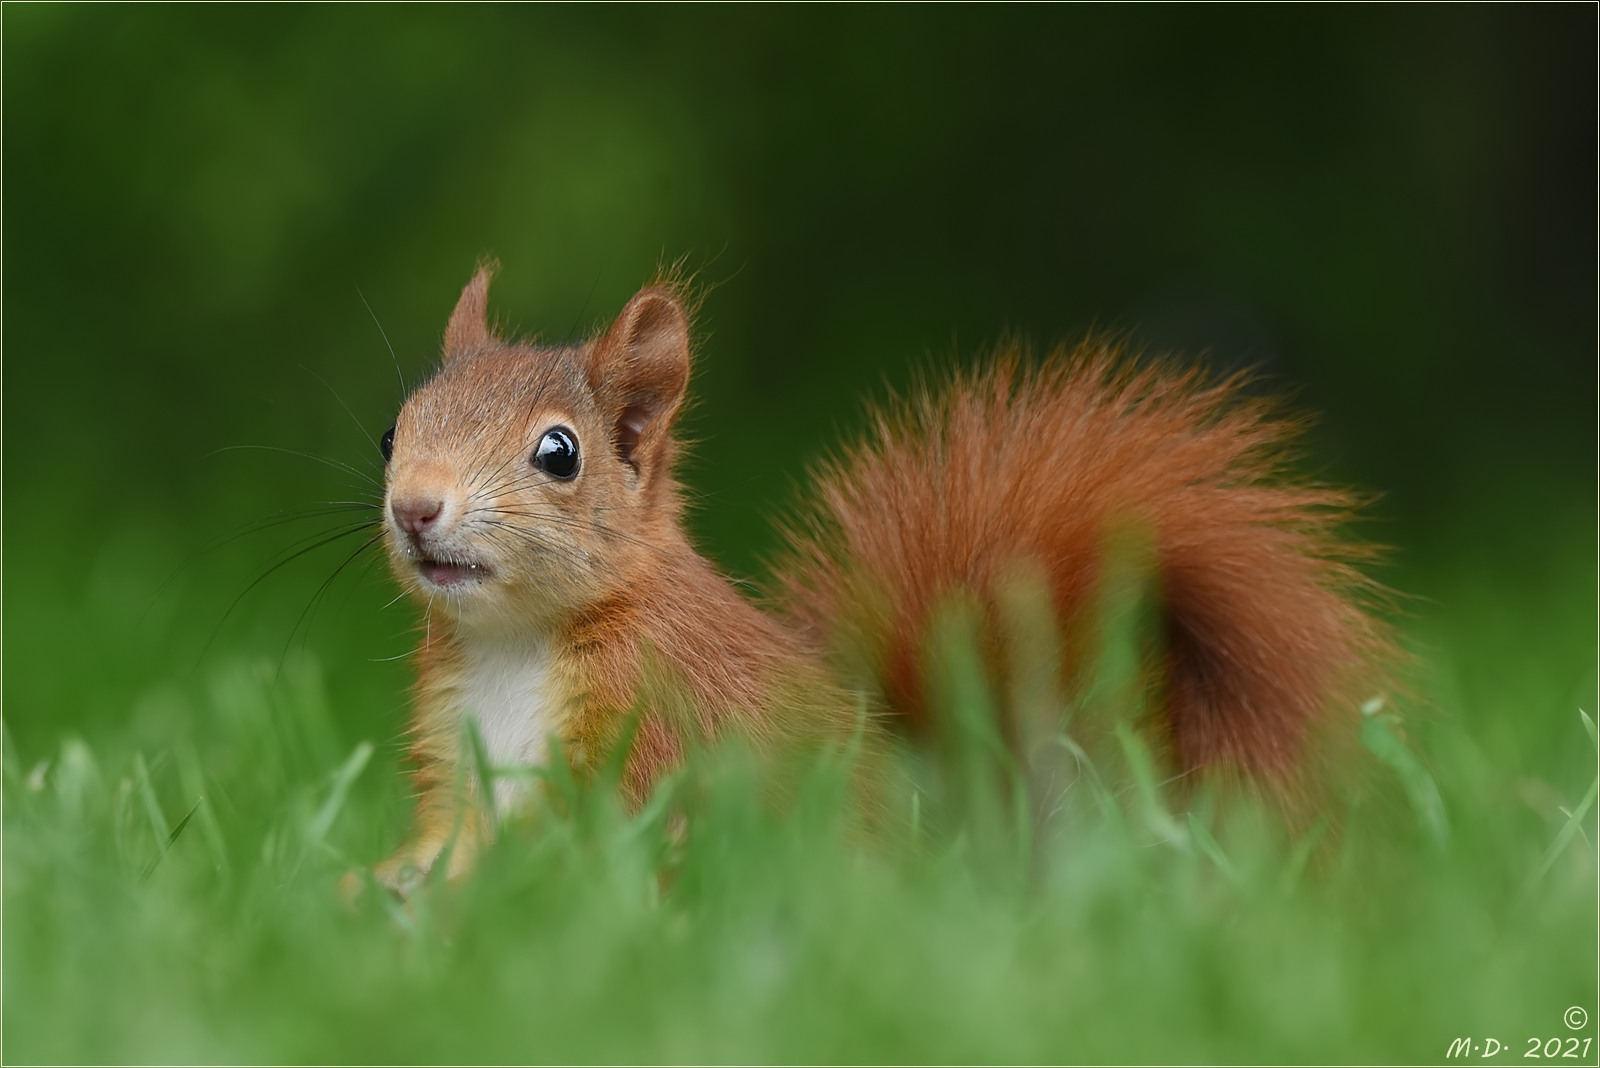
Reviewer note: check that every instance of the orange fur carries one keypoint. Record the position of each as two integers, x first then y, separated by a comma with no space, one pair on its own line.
1263,634
561,601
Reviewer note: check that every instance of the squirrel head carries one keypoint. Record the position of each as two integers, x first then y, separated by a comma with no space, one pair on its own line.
526,483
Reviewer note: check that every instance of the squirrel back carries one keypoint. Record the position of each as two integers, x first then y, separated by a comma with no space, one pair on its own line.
531,508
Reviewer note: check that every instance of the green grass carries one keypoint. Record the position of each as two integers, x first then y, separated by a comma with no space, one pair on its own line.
170,896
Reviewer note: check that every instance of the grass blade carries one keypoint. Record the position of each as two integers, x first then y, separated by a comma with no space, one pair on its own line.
319,825
1419,786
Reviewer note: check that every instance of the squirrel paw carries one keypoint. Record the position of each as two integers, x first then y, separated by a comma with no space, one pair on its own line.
400,876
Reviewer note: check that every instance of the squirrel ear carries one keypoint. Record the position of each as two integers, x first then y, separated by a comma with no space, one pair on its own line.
468,329
639,370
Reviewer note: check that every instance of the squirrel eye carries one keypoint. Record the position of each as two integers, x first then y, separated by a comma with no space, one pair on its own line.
557,454
386,444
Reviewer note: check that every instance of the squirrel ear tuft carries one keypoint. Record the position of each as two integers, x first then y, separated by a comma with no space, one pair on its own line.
639,370
468,329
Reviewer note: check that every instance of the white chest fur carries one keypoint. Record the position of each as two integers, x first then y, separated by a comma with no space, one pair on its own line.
509,694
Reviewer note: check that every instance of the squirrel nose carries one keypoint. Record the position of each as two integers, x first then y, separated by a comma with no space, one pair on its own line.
416,514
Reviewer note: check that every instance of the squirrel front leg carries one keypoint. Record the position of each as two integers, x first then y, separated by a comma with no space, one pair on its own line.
445,818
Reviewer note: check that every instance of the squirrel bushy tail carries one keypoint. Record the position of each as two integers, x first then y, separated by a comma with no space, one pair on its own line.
1264,633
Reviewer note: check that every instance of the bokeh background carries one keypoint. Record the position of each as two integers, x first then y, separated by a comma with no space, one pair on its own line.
1390,212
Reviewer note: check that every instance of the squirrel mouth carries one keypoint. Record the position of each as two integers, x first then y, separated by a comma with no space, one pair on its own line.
451,572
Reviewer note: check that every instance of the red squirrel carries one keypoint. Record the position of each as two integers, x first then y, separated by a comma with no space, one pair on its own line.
531,509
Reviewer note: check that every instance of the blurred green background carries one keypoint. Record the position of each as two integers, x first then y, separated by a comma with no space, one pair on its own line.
1391,212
